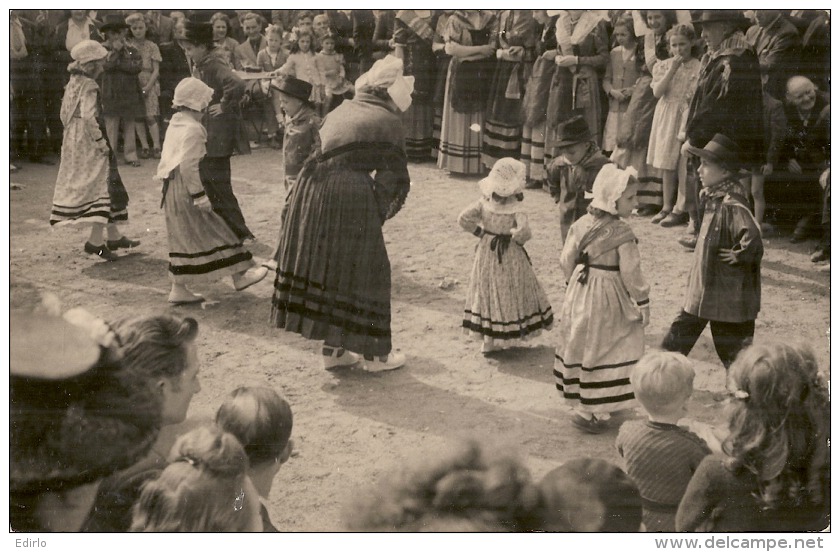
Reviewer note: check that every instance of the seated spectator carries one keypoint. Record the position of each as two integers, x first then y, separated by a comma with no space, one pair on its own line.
773,473
262,421
162,350
660,456
76,416
204,489
804,155
588,495
464,490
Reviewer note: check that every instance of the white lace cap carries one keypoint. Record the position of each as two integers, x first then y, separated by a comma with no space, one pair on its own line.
609,185
192,93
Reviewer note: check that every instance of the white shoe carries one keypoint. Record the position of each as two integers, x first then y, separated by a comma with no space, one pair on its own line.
391,362
271,265
246,279
489,347
336,357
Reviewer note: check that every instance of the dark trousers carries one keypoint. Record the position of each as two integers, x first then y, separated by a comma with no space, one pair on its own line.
729,337
215,177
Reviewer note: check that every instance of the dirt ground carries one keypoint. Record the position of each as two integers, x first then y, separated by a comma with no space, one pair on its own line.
352,426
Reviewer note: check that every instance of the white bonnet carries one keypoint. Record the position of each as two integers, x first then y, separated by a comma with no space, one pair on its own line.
88,50
609,185
193,94
388,73
505,179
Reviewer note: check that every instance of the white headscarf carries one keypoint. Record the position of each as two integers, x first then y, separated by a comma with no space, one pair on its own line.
609,185
388,73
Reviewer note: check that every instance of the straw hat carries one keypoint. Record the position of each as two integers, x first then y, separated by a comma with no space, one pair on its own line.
76,415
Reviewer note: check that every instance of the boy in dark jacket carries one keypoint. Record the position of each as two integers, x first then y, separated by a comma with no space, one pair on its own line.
724,284
571,174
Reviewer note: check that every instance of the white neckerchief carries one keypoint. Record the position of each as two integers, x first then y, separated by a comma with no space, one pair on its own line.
181,143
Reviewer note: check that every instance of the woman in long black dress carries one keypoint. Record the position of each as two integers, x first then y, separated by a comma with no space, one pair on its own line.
333,278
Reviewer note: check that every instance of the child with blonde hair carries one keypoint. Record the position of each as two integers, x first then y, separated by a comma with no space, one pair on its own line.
659,455
505,300
606,307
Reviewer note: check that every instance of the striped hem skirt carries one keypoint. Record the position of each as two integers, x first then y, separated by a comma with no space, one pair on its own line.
500,140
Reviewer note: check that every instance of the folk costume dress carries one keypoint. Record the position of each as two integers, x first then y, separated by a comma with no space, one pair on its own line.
414,31
579,87
202,247
466,95
535,105
504,299
633,138
503,124
333,278
442,60
601,332
88,188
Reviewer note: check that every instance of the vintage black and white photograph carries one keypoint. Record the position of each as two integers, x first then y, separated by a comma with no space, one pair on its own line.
403,271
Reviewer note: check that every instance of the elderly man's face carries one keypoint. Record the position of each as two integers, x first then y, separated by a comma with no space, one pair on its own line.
802,93
765,17
714,33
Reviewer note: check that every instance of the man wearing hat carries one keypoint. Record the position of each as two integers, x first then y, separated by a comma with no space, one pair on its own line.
572,173
728,98
223,121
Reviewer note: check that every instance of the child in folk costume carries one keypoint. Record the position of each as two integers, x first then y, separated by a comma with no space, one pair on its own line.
606,306
504,300
632,143
300,139
202,247
572,173
674,81
724,284
88,188
622,72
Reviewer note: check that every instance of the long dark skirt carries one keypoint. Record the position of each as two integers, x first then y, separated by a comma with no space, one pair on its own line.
333,278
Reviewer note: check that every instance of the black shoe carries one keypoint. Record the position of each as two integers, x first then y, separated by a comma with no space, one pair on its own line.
647,210
532,184
820,255
798,237
591,425
100,251
122,243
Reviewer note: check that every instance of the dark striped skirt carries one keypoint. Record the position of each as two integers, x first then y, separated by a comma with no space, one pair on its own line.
333,279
